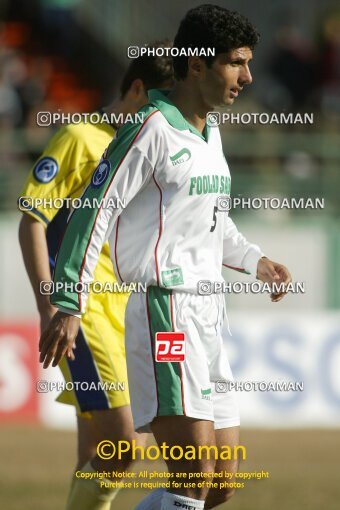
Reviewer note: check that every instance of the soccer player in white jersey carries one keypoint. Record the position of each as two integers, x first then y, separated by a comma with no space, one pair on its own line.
171,171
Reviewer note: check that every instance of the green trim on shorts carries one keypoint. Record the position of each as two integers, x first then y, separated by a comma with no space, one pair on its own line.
168,374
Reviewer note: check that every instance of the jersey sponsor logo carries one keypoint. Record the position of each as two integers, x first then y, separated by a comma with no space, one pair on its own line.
172,277
204,184
45,170
170,346
101,173
181,156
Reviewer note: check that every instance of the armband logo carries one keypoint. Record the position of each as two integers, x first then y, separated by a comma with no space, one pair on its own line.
101,173
45,170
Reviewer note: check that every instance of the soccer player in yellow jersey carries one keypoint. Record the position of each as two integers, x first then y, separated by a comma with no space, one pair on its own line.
63,171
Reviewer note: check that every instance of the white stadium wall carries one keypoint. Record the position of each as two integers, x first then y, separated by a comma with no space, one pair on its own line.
296,341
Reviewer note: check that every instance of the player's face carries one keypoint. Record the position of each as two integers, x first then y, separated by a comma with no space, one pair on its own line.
221,83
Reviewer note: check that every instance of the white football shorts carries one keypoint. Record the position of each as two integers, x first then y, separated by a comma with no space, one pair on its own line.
184,388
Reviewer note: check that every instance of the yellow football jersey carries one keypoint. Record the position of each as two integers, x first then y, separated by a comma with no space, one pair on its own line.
63,171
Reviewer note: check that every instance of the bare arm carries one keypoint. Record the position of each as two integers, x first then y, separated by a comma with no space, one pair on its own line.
32,237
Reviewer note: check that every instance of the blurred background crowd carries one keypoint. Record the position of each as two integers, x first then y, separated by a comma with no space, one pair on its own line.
68,56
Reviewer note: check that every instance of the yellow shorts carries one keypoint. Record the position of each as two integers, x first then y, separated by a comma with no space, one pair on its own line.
98,373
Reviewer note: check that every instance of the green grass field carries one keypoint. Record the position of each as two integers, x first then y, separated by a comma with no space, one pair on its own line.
36,464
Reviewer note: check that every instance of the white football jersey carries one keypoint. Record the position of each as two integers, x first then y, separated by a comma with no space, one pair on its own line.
170,227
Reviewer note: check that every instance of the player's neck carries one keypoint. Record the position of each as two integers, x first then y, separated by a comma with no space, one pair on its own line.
189,103
116,108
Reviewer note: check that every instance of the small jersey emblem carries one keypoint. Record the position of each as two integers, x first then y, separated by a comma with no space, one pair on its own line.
181,156
172,277
101,173
45,170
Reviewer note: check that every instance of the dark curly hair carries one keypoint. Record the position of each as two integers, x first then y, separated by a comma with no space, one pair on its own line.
154,71
211,26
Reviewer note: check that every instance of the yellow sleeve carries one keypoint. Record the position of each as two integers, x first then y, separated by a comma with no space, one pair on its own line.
55,175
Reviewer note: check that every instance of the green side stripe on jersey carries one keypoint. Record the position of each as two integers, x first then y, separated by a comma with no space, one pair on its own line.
77,235
168,377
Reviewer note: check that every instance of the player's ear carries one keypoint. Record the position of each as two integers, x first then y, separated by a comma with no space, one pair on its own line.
137,89
195,66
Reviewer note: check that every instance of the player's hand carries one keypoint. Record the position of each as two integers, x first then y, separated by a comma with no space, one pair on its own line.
46,313
272,272
58,339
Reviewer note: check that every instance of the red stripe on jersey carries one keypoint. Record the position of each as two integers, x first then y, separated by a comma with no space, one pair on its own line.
160,228
232,267
116,258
